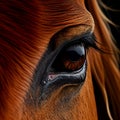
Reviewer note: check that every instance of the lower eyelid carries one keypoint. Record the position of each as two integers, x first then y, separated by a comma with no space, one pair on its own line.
76,75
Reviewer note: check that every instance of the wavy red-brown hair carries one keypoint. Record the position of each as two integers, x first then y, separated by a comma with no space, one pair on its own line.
105,67
21,48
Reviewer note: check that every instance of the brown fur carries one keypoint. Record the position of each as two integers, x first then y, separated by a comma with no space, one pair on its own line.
25,31
105,67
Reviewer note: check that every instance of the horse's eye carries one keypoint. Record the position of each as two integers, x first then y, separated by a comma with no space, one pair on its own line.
70,59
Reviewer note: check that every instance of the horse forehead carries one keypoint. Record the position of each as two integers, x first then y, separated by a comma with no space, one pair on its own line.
55,15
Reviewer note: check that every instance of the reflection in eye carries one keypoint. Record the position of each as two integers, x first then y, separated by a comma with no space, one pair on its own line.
74,57
70,58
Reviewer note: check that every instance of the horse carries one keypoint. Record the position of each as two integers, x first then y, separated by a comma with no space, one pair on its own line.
58,61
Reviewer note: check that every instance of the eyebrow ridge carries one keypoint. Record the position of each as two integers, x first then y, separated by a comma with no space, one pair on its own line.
88,38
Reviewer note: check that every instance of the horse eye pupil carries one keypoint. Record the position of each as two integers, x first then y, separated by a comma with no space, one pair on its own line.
73,56
74,53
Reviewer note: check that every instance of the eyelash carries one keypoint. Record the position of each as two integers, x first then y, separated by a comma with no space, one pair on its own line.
90,42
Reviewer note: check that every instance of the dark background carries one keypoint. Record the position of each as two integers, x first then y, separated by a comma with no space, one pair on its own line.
115,17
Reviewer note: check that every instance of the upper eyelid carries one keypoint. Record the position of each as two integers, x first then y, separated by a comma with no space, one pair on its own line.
87,39
69,33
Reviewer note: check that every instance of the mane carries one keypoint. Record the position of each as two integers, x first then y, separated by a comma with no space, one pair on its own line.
105,66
